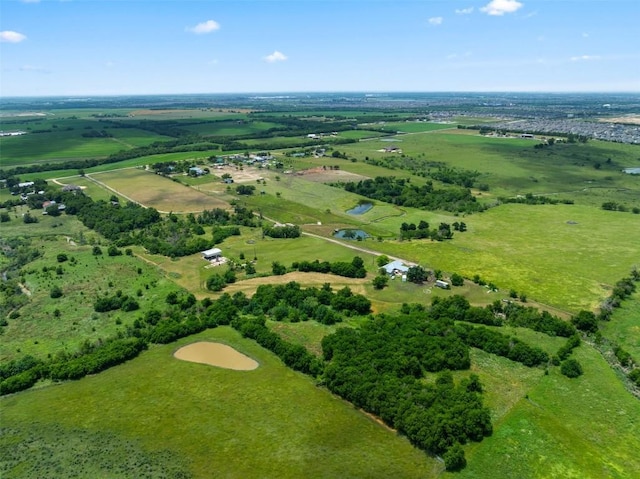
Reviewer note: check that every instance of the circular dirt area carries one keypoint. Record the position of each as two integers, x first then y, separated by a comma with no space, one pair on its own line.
216,354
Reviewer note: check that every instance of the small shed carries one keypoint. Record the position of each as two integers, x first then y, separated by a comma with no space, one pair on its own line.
213,253
442,284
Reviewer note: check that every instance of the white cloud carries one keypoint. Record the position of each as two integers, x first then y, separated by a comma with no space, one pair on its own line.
275,57
9,36
464,11
585,58
500,7
204,27
435,21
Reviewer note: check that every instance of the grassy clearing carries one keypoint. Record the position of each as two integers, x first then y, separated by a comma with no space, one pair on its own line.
40,331
565,428
270,422
46,225
191,272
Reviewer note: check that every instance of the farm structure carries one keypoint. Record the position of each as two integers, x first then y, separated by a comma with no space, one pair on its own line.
442,284
212,254
396,268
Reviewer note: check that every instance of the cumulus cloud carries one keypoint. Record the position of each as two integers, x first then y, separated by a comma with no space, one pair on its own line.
500,7
584,58
204,27
275,57
464,11
9,36
435,21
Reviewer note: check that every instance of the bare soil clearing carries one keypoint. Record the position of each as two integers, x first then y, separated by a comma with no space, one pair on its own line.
216,354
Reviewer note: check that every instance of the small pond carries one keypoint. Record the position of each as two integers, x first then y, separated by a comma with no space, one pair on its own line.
351,234
632,171
361,209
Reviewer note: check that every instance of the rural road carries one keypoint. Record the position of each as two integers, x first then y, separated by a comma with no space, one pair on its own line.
358,248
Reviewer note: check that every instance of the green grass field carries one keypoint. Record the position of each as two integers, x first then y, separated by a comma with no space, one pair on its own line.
270,422
624,327
565,428
566,256
61,139
156,416
40,331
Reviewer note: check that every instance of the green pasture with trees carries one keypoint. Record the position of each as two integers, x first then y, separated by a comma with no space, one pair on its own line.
533,342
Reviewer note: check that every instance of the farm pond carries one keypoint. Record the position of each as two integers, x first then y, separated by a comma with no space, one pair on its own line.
361,209
216,354
351,234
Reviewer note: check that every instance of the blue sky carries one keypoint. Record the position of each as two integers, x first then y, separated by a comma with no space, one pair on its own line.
114,47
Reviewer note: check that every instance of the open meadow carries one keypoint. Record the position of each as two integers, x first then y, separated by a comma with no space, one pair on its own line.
157,416
269,422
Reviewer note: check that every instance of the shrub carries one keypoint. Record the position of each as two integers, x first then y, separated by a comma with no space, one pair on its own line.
457,280
454,459
571,368
216,283
56,292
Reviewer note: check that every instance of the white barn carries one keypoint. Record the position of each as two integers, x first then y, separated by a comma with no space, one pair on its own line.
213,253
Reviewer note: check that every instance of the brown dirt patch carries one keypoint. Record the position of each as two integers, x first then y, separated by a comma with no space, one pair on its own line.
216,354
321,175
246,174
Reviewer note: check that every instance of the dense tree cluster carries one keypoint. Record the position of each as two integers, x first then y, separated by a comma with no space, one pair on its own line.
531,199
291,302
542,321
282,231
422,230
293,355
401,192
500,344
380,367
115,302
353,269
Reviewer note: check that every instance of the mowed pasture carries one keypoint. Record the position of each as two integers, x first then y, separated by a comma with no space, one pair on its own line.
568,256
151,190
269,422
59,139
512,166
